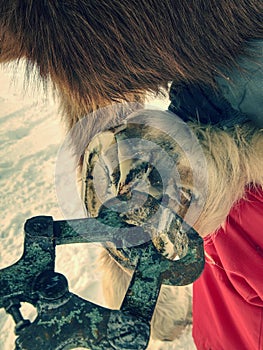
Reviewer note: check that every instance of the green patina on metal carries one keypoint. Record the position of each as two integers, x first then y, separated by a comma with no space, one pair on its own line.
66,321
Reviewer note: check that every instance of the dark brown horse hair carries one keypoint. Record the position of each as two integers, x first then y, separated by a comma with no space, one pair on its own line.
98,52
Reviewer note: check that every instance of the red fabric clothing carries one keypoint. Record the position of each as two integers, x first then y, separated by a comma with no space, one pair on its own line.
228,297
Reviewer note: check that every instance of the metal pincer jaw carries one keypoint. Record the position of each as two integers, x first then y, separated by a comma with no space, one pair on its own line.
66,321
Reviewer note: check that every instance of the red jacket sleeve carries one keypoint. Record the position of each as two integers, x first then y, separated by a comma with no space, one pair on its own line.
238,247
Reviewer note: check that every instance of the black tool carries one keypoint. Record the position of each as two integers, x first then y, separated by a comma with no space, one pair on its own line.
66,321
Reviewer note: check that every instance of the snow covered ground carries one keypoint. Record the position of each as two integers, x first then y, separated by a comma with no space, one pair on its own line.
30,134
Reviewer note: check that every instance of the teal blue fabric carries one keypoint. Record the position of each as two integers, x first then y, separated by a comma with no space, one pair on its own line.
239,97
244,88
